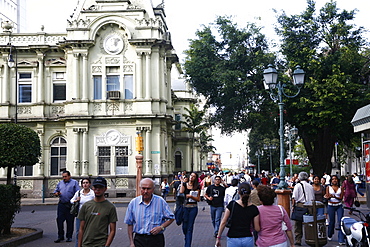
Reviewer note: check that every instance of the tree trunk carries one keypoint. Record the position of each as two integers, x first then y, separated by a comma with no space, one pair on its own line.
9,175
320,150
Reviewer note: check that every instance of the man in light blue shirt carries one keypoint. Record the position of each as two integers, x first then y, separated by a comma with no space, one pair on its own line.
147,216
65,190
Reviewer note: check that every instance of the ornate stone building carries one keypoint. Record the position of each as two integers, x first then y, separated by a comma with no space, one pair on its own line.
90,91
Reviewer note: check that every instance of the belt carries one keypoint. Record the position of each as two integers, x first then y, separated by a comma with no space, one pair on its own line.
147,235
334,204
190,205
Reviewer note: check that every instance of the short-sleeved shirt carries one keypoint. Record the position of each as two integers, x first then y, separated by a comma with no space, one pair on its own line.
271,232
241,219
144,217
97,217
218,194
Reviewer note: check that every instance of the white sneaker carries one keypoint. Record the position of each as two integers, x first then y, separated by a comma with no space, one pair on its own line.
342,243
330,239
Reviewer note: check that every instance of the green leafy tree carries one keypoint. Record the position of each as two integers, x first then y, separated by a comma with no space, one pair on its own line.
19,146
194,124
205,145
229,73
332,52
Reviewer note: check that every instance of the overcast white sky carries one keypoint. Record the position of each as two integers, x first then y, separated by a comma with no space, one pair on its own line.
185,17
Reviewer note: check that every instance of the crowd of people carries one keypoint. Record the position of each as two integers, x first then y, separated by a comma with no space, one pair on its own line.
243,203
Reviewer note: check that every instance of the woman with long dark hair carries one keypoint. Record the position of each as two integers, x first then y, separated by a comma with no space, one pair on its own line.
334,194
319,192
349,191
242,214
191,191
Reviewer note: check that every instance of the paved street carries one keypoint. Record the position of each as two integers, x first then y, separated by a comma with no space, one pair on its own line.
43,215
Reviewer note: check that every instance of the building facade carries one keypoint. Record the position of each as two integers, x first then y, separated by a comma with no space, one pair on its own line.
91,91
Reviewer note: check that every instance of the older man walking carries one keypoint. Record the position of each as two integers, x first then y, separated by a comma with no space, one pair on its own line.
65,190
147,217
302,193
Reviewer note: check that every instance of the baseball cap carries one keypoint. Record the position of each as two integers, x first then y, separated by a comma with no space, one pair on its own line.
100,181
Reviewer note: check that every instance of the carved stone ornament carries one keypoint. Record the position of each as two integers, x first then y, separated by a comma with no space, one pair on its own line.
113,44
113,138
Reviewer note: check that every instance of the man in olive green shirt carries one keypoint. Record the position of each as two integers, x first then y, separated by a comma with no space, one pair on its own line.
95,216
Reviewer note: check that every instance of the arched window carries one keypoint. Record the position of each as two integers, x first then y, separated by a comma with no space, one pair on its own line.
58,155
178,159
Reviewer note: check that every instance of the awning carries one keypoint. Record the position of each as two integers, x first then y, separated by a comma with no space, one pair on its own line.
361,120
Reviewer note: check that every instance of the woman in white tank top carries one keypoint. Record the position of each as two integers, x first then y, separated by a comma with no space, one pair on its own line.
334,194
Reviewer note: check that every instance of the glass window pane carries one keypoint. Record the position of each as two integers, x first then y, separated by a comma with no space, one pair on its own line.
113,83
59,91
129,87
54,151
62,140
54,166
25,93
63,151
25,75
28,170
97,87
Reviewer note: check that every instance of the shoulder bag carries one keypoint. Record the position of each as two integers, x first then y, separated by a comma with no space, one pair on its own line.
229,220
75,207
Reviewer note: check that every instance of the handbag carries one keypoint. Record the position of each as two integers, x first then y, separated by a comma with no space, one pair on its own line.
357,202
229,220
298,212
179,214
75,207
283,224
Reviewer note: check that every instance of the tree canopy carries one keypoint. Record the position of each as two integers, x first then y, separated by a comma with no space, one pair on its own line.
19,146
333,54
227,68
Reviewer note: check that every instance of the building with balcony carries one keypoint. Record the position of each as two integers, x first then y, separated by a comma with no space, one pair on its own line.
90,91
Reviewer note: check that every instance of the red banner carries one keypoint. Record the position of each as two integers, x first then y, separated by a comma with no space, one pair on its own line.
367,161
294,161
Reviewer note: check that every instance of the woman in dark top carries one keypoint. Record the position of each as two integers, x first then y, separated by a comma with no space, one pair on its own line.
319,192
192,196
242,215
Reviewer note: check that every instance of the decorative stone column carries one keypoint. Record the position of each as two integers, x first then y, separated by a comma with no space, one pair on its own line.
148,155
85,85
40,166
139,76
6,80
85,152
76,75
40,81
148,88
76,160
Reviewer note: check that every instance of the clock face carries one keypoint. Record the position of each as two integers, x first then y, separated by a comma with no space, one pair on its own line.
113,44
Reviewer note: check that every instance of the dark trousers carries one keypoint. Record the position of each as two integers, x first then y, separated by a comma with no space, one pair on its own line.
143,240
64,215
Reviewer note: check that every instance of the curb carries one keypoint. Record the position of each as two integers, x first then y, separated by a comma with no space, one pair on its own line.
24,239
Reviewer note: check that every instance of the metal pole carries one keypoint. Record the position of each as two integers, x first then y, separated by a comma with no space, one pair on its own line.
282,183
16,88
290,154
270,159
258,162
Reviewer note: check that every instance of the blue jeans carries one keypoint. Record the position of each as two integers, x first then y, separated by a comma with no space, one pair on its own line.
240,242
188,224
358,191
331,211
77,230
216,214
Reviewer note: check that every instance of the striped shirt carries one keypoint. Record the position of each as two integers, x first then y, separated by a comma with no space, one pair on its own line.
144,217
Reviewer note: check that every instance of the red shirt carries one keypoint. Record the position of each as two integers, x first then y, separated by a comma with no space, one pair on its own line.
264,181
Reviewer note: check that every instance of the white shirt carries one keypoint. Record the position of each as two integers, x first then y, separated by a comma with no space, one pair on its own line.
84,198
229,193
327,177
298,194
